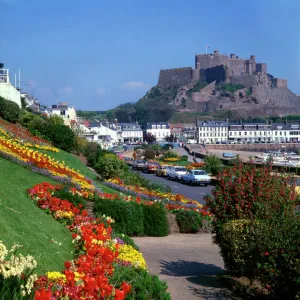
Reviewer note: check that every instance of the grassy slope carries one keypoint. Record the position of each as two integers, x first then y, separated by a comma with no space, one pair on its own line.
21,221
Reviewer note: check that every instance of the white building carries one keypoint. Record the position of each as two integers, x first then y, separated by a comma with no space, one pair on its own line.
250,132
104,134
131,132
7,90
66,112
286,132
212,131
159,130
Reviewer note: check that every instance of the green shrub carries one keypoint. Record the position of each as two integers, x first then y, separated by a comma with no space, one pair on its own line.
126,239
159,187
144,285
60,135
9,110
184,158
213,164
155,220
268,251
238,243
188,221
128,216
110,166
171,154
149,154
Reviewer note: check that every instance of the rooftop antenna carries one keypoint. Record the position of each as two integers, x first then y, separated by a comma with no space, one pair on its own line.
206,48
19,79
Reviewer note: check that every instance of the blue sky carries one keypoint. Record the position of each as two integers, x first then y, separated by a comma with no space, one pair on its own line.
97,54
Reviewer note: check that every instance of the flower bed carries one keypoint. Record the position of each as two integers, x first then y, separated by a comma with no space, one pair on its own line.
172,201
24,137
87,277
40,163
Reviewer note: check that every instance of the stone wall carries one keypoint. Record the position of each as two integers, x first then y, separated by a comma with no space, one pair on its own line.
254,147
204,94
175,77
215,74
261,68
246,80
279,83
236,67
210,60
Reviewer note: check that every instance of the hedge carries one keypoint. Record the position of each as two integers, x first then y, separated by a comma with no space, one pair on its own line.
128,216
155,220
188,221
9,110
134,219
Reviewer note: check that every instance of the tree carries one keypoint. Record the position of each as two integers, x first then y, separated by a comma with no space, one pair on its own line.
170,138
149,138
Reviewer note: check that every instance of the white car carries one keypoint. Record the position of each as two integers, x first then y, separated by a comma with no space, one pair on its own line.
196,177
176,172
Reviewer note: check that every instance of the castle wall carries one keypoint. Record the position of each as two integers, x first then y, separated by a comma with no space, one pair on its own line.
279,83
215,74
246,80
261,67
211,60
175,77
195,74
236,67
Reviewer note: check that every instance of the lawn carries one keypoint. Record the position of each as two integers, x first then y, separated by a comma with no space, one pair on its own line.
24,223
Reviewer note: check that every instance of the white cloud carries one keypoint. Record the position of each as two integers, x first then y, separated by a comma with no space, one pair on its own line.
134,85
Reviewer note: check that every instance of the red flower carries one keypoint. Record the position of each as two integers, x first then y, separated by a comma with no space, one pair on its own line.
126,288
119,295
266,253
69,275
68,265
42,295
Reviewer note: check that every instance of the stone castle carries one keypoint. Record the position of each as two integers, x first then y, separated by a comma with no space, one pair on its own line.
221,69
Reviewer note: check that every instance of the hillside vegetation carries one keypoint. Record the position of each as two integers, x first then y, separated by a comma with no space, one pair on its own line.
23,223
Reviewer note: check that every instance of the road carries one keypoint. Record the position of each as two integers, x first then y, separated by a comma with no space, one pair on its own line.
193,192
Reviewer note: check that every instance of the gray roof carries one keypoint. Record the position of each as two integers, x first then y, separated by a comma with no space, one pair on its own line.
149,125
130,126
285,126
212,123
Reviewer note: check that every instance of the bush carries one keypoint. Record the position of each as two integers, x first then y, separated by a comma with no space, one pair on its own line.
109,165
184,158
238,244
265,250
128,216
159,187
213,164
171,154
188,221
61,136
149,154
9,110
126,239
155,220
248,192
144,285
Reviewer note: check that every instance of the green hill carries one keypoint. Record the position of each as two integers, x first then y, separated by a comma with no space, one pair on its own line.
22,222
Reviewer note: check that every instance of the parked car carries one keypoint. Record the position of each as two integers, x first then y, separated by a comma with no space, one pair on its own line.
128,160
138,164
228,155
150,166
196,177
162,170
197,160
176,172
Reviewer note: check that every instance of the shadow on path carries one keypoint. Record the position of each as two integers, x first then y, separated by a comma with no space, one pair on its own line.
202,277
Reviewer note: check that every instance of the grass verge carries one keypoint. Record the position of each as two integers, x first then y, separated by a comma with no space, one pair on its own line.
24,223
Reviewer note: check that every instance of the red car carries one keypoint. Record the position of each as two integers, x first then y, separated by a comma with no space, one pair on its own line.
150,167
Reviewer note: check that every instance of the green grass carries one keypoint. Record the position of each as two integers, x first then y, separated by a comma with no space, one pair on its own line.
24,223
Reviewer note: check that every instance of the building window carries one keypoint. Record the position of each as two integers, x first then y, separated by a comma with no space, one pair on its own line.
62,112
240,133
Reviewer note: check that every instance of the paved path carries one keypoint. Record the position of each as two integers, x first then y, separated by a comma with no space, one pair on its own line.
188,262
